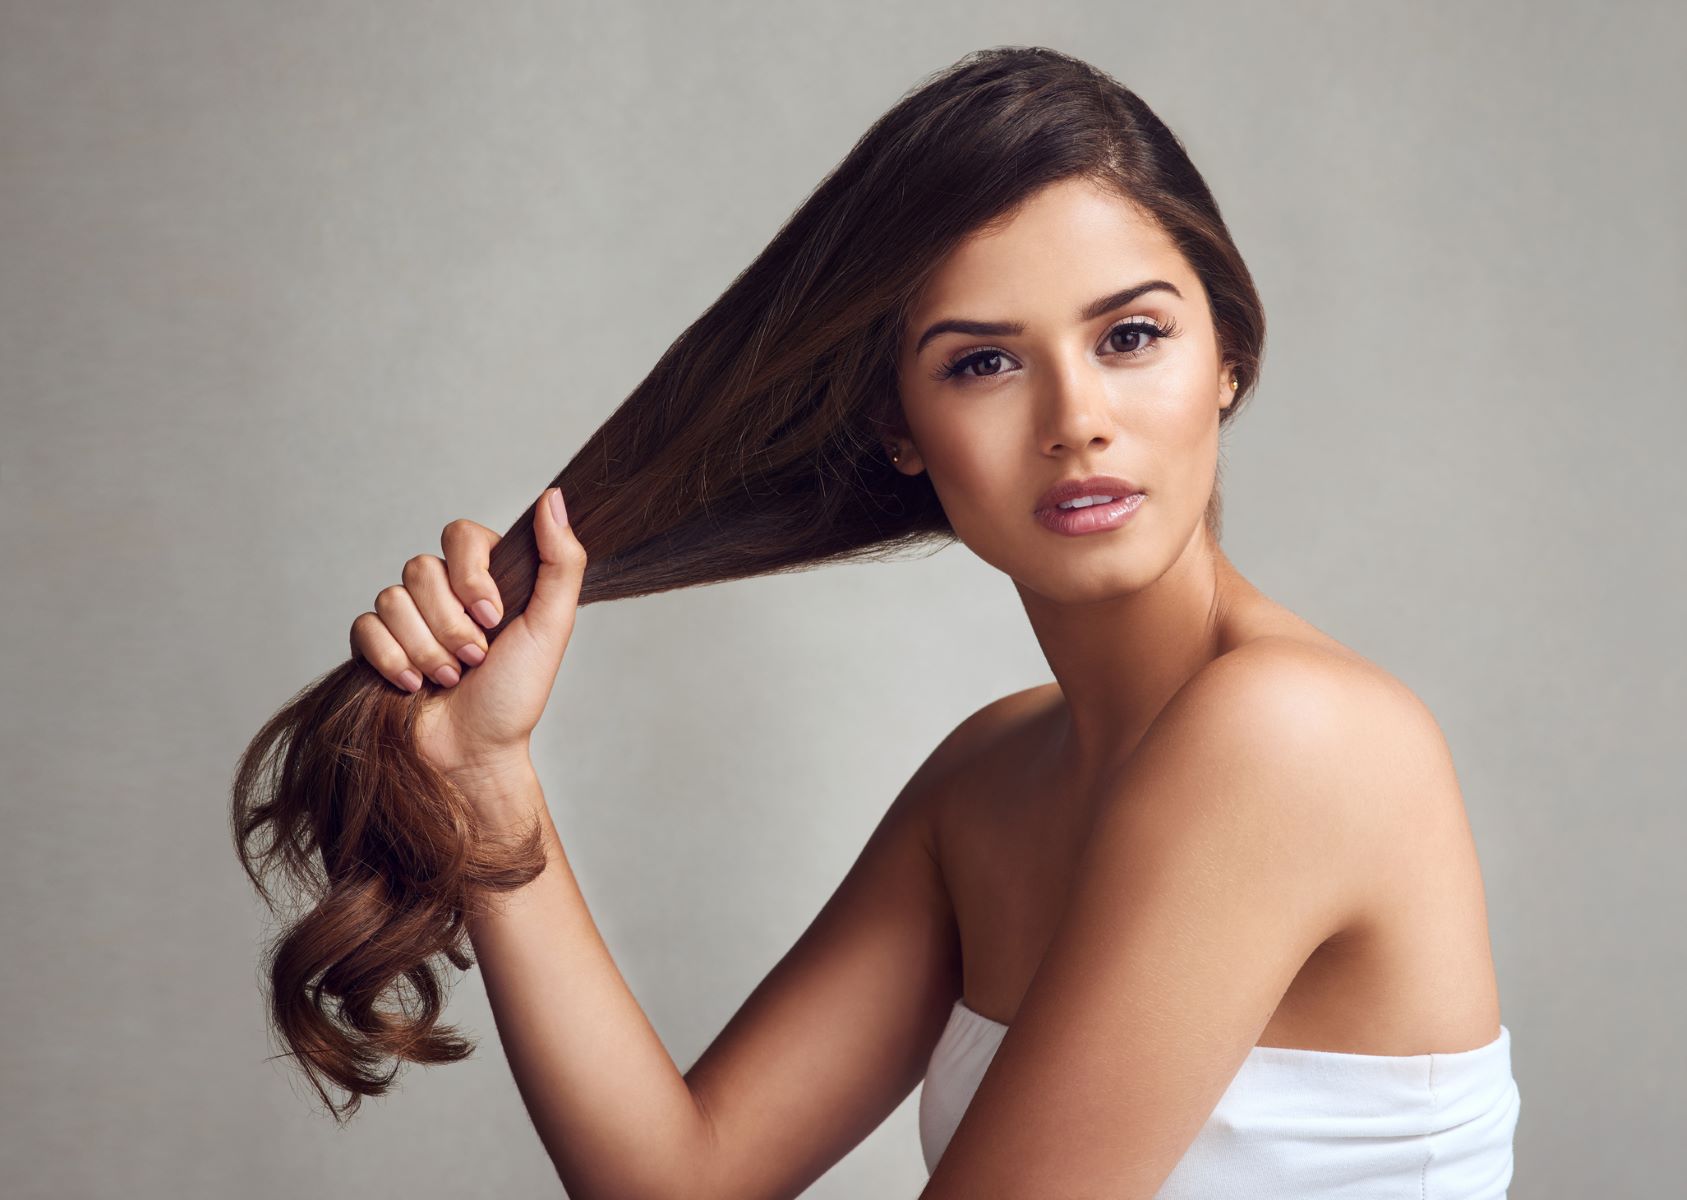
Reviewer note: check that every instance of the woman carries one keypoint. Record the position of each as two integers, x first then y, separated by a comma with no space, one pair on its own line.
1201,917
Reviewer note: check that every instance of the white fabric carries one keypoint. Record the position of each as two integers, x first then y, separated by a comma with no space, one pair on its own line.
1302,1124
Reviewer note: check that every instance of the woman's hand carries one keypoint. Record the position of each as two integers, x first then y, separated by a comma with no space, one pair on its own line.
478,726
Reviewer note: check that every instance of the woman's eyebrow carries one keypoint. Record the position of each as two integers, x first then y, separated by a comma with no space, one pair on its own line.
1089,312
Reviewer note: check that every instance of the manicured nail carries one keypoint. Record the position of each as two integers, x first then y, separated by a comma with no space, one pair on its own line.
485,613
448,676
558,509
411,680
472,654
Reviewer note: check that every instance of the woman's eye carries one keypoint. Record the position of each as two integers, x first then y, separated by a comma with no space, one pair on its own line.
963,365
986,362
1143,337
1136,330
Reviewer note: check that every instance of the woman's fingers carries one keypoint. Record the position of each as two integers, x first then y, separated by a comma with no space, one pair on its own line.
422,626
549,614
426,580
373,642
397,610
468,553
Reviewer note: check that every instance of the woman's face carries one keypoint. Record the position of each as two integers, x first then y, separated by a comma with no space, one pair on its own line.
997,416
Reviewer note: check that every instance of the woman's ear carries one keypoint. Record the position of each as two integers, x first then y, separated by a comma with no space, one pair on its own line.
896,440
1227,385
900,451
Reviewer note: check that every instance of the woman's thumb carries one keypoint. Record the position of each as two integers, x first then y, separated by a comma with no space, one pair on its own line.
562,565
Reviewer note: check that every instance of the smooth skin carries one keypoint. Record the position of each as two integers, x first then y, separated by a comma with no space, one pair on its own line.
1217,828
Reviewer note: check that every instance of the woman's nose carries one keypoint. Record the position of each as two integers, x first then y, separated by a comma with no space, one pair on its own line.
1076,408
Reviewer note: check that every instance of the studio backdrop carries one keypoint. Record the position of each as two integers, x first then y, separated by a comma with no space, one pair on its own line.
286,289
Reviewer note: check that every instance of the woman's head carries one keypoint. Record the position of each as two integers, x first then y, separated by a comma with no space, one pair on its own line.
1017,184
1071,340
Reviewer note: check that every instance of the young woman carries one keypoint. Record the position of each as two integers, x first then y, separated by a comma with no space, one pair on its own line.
1203,916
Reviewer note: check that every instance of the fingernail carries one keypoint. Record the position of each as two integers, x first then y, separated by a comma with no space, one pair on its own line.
448,676
558,509
472,654
411,679
485,613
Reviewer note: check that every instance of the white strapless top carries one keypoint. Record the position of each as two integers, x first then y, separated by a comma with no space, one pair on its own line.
1299,1124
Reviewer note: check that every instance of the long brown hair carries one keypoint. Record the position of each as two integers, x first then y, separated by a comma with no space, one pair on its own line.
754,446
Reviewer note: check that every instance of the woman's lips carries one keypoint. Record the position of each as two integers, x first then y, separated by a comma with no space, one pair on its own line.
1092,519
1095,485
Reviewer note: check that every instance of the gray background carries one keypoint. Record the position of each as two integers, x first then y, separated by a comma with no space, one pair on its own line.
286,288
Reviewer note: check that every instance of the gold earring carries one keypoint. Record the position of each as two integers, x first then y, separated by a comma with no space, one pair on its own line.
1233,385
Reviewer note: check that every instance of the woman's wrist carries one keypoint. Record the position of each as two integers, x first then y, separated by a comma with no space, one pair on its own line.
500,785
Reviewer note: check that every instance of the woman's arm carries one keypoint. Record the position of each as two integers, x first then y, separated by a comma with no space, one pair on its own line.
825,1047
1247,828
605,1097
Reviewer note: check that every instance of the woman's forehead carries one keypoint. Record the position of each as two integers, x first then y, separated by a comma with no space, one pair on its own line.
1066,245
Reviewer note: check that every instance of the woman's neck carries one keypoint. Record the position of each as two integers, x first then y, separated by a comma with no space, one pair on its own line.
1117,662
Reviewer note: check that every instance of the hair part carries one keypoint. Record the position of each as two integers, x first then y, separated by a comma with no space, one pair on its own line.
753,447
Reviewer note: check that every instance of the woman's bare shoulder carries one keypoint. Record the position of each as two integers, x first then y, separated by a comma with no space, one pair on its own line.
990,727
1267,632
977,763
1315,654
1298,675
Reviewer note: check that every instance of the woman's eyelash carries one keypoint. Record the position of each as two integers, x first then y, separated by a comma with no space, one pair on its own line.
1157,333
